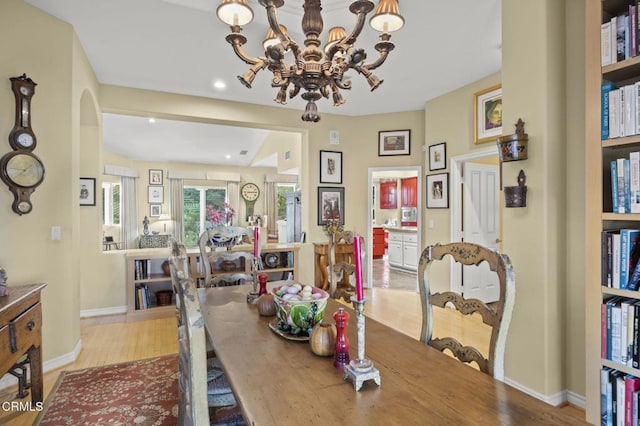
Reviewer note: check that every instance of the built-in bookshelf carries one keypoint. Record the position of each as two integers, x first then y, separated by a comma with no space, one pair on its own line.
612,144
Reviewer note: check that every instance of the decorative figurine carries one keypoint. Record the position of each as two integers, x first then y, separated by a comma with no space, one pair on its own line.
145,222
4,290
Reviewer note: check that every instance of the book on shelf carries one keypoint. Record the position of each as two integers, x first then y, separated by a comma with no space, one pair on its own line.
632,26
631,385
615,267
621,34
605,43
629,253
634,181
606,251
614,185
607,87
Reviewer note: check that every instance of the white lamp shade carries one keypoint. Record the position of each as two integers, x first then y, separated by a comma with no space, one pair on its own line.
235,12
387,17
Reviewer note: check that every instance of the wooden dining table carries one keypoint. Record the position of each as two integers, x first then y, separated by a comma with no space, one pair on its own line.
278,381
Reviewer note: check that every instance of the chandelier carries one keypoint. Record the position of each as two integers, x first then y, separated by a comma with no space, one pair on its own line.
318,73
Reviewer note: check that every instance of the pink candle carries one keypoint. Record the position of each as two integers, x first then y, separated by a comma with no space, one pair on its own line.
256,241
357,254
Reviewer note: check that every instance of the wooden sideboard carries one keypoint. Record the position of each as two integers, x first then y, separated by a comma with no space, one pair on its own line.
344,253
21,333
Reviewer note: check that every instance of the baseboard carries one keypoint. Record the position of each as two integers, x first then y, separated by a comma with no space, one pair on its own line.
557,399
114,310
9,380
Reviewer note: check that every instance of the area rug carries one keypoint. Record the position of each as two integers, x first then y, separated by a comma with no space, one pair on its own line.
143,392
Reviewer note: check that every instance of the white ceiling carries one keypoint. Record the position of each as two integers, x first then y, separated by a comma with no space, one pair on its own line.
178,46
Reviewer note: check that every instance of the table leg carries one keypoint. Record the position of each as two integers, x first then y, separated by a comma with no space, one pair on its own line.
35,363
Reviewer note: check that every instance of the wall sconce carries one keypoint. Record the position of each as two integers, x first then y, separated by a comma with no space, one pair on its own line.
516,196
514,147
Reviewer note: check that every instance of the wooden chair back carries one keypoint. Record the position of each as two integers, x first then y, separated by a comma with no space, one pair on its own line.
226,238
497,317
193,408
340,271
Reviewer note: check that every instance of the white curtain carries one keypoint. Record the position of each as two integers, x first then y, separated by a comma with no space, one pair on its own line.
128,206
271,199
176,195
233,195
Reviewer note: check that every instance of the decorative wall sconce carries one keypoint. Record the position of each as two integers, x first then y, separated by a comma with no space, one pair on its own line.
516,196
514,147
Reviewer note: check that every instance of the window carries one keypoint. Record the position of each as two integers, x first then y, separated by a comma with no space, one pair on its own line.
281,190
111,203
196,199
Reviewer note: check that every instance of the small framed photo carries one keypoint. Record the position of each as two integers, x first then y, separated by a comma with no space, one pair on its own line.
87,191
330,204
394,142
438,191
330,167
155,210
155,177
487,111
156,194
438,156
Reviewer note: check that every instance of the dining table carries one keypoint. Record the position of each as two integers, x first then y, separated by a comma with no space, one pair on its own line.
277,380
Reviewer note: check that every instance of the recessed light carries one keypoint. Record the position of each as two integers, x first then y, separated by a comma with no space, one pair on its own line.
219,84
152,120
227,156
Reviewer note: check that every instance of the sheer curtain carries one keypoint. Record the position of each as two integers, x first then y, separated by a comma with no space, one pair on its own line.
271,200
233,195
128,205
176,195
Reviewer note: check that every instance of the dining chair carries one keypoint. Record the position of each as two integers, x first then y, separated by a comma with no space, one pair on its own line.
497,316
232,266
197,396
341,269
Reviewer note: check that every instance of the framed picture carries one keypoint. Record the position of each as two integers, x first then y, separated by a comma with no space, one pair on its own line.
330,167
438,156
87,191
156,194
487,114
155,210
330,204
394,142
155,177
438,191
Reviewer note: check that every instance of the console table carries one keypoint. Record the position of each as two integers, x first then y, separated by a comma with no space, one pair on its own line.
21,333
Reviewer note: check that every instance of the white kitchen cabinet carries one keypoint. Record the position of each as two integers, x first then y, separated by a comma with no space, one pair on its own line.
403,250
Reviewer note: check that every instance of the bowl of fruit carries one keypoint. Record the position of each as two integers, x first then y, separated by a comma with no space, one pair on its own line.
299,308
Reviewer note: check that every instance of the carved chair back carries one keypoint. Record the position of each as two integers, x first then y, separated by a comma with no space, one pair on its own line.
227,237
340,271
497,317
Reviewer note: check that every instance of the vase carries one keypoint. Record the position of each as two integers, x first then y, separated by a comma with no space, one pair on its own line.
323,339
166,269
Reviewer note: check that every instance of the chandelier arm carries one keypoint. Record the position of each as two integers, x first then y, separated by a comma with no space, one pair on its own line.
357,29
236,44
287,42
383,57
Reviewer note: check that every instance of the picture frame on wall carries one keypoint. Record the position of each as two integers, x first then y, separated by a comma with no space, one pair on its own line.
438,156
394,142
155,177
487,110
155,210
87,191
330,204
438,191
156,194
330,167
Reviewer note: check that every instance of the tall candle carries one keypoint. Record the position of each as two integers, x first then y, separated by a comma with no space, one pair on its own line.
256,241
357,254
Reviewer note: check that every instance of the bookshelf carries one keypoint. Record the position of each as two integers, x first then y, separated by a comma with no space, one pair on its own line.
600,215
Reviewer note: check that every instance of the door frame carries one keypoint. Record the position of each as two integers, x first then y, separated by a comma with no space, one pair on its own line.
368,237
456,205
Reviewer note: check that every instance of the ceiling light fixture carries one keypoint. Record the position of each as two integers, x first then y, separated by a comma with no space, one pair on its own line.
318,73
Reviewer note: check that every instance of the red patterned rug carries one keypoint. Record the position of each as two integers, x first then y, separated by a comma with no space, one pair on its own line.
141,392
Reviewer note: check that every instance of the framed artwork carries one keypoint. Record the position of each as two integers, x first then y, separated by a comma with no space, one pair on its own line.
87,191
156,194
487,114
330,167
394,142
155,177
155,210
330,204
438,191
438,156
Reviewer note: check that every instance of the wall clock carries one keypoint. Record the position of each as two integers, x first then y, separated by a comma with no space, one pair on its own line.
22,136
250,193
22,172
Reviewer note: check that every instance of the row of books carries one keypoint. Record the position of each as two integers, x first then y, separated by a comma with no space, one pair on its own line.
142,269
620,331
619,393
619,262
620,110
142,300
625,184
620,36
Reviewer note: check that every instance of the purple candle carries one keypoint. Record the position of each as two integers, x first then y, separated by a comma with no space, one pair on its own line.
256,241
357,253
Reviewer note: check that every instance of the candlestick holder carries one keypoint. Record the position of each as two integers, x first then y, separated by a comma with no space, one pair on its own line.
361,369
254,293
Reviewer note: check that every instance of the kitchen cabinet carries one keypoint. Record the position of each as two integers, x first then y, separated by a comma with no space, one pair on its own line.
378,242
409,192
389,195
403,250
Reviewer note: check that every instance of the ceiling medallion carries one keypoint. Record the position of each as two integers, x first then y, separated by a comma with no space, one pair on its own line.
316,72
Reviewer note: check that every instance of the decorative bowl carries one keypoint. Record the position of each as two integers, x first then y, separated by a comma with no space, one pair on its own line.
299,307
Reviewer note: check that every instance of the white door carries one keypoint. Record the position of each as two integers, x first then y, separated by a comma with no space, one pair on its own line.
481,221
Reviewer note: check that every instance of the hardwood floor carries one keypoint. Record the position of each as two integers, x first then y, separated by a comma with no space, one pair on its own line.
108,340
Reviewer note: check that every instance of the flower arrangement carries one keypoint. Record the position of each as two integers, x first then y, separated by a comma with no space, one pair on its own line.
333,226
220,217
